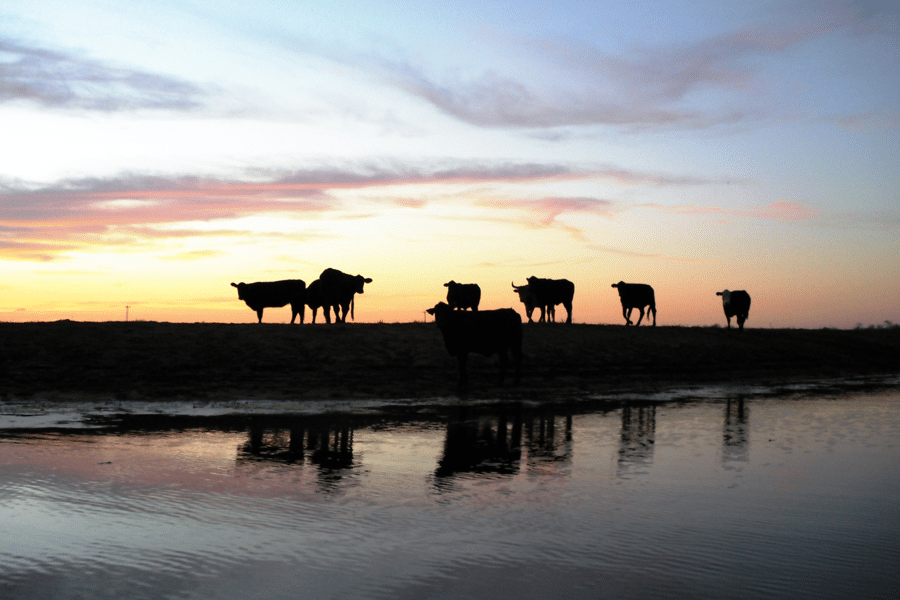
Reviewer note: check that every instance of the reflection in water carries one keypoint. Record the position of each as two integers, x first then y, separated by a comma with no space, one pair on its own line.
500,501
637,438
735,447
327,443
546,447
481,444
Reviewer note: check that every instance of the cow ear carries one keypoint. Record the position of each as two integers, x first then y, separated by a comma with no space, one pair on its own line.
430,311
368,280
718,293
233,284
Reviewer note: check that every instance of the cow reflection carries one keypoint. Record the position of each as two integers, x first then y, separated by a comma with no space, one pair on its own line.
637,438
735,439
327,445
487,444
549,443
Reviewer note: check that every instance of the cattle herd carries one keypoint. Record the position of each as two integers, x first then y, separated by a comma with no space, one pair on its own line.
465,329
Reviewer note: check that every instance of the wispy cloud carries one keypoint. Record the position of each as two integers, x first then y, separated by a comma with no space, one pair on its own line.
66,80
644,88
43,222
633,254
548,209
782,210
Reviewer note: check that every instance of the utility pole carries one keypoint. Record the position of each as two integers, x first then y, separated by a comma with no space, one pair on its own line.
126,313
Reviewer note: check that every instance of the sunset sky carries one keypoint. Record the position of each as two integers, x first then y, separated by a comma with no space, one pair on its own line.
153,152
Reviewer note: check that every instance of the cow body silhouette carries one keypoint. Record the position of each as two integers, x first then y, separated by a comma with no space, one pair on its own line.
735,304
484,332
274,294
461,296
636,295
337,291
527,297
548,293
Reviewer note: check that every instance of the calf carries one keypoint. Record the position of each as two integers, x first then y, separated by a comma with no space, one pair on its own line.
636,295
274,294
736,304
485,332
463,295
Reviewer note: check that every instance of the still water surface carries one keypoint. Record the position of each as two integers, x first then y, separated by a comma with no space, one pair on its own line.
731,497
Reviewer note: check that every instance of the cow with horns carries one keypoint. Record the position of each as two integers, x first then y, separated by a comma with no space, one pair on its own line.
546,294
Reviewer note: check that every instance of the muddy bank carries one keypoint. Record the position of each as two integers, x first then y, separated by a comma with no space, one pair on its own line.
148,360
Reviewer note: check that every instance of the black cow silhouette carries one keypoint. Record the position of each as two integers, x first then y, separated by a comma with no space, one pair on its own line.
636,295
274,294
484,332
461,296
736,304
338,290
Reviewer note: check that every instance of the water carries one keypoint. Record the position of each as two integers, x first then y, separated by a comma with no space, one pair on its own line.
726,497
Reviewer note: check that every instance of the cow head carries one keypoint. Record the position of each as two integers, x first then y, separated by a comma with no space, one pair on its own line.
358,283
440,311
240,288
726,297
527,297
450,283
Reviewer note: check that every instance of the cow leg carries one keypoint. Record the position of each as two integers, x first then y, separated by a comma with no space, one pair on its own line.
259,314
740,320
626,312
327,310
543,314
729,320
640,318
568,306
652,309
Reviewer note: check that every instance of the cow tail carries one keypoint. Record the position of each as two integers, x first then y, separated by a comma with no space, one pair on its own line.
352,305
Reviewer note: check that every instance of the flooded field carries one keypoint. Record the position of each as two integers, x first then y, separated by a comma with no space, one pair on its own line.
724,496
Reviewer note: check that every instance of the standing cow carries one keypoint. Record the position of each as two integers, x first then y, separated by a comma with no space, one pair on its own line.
485,332
636,295
338,291
550,292
527,297
736,304
461,296
274,294
314,299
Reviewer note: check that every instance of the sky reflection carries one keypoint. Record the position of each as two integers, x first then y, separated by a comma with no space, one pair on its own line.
754,497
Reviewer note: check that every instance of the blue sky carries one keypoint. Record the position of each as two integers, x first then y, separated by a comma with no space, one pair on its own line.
157,151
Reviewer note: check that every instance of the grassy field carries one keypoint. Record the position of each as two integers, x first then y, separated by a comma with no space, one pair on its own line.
148,360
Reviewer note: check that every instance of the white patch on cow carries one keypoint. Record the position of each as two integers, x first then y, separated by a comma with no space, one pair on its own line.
726,298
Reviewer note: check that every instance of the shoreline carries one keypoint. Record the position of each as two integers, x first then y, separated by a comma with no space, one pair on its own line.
151,361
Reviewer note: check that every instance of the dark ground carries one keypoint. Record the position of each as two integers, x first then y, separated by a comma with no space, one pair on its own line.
148,360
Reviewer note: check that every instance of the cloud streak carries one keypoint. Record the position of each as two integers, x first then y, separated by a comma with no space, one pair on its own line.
781,210
60,80
647,88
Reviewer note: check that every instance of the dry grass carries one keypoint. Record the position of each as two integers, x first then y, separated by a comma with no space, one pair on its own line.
147,360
